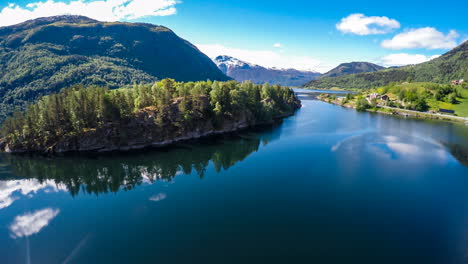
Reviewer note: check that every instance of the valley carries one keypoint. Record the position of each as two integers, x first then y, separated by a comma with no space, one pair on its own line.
138,131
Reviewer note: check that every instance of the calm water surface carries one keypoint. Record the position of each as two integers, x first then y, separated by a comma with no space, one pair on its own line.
329,185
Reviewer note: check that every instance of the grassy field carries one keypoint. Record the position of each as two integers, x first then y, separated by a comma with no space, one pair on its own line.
460,108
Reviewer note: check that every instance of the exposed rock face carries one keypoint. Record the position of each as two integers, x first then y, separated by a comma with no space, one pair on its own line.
147,130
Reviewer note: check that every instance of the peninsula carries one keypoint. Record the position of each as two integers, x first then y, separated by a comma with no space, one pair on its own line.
96,119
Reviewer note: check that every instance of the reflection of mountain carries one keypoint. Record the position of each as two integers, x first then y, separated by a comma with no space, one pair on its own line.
112,173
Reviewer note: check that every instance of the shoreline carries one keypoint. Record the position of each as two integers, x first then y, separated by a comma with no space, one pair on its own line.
194,136
402,112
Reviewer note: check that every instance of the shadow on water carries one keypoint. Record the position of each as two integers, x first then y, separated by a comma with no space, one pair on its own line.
125,171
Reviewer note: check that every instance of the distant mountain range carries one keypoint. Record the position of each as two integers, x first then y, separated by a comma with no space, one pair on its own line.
243,71
352,68
453,65
44,55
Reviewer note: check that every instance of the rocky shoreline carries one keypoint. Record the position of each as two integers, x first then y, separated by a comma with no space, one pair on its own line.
142,133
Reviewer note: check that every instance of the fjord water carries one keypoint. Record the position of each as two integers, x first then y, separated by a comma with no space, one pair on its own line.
328,185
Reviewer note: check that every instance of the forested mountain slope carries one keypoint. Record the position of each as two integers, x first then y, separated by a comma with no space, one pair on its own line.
352,68
453,65
47,54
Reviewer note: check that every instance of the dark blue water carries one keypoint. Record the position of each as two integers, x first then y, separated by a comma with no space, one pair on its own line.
329,185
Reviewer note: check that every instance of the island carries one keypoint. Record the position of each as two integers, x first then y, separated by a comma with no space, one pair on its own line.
98,119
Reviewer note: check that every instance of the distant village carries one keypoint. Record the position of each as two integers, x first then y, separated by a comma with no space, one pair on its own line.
385,99
390,101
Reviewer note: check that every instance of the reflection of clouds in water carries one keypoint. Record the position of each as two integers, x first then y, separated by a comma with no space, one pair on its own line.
350,138
393,147
341,142
149,177
9,190
32,223
403,148
420,148
158,197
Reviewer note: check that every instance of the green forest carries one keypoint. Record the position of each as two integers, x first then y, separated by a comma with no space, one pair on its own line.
420,97
45,55
427,96
451,66
169,103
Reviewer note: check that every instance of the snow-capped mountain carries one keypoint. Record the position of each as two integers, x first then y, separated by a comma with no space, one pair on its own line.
243,71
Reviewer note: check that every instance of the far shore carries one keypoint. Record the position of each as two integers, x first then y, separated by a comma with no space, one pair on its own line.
399,112
327,89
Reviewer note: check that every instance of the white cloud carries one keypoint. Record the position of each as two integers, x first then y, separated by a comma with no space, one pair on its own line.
10,190
32,223
427,38
401,59
105,10
266,58
278,45
360,24
158,197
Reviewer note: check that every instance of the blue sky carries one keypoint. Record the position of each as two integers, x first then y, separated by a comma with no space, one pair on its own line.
316,35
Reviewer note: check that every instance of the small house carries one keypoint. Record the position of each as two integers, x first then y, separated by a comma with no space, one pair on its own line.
374,96
459,82
446,111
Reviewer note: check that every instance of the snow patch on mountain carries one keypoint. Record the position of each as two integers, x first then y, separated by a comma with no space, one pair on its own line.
243,71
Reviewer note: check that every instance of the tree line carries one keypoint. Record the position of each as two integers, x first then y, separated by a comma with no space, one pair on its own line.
79,108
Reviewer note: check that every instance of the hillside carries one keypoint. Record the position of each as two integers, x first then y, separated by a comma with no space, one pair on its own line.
453,65
352,68
47,54
243,71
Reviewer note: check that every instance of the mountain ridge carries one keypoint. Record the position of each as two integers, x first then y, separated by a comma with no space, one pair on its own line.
453,65
352,68
44,55
243,71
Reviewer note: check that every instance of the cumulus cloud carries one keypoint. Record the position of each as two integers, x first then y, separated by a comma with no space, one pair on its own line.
278,45
266,58
32,223
427,38
360,24
401,59
105,10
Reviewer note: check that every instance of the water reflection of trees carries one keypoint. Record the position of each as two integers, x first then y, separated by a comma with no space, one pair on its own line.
459,152
124,172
